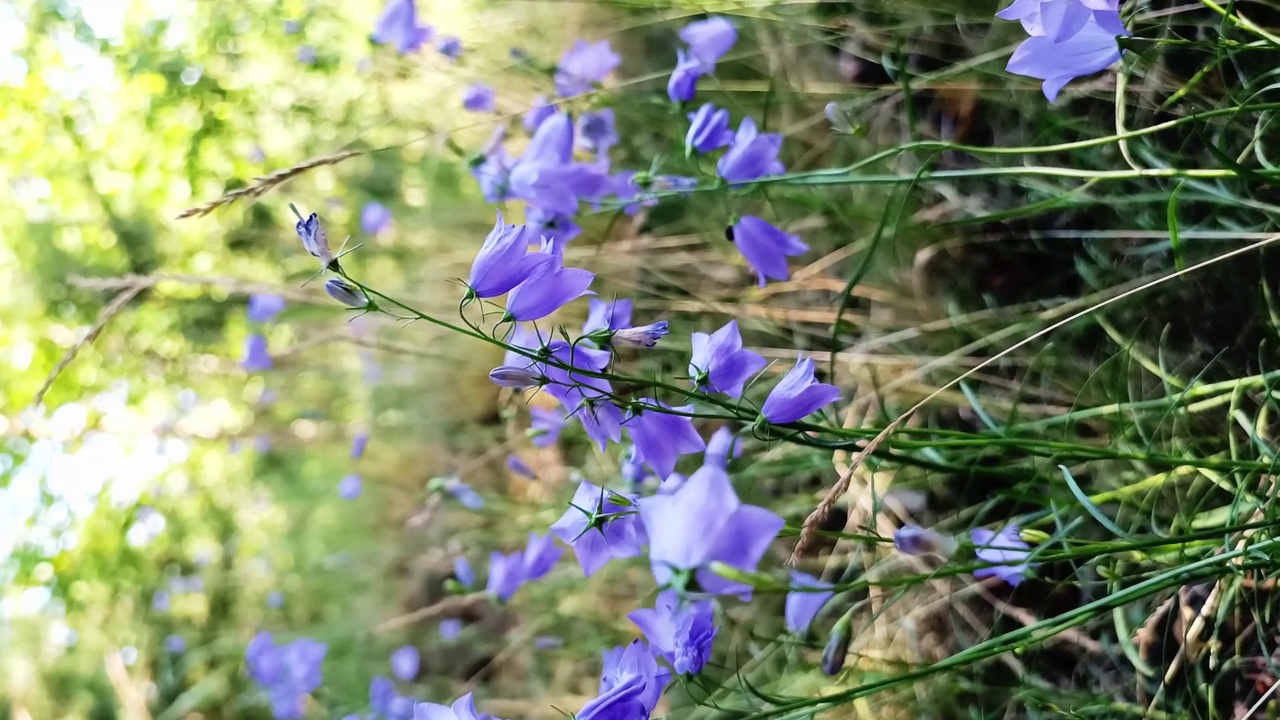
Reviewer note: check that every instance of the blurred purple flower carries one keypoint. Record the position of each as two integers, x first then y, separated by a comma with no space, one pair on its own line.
349,487
803,603
912,540
709,39
722,444
765,247
398,25
558,227
175,644
463,572
264,306
797,395
256,358
545,425
708,130
752,154
583,65
1091,49
661,437
307,54
275,599
1005,553
645,336
599,528
539,111
404,662
478,97
1056,20
508,572
450,629
292,27
160,601
358,445
288,673
547,642
463,493
607,315
261,443
518,466
683,632
504,261
464,708
701,523
548,288
374,218
633,468
683,84
719,362
597,131
546,176
382,691
450,47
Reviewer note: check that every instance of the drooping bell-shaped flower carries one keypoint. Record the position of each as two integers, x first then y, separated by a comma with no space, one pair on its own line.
683,632
719,362
709,39
398,25
599,527
405,661
597,131
607,315
661,437
752,155
1090,49
545,425
256,358
264,306
708,130
722,445
683,84
548,288
797,395
806,598
630,685
583,65
766,247
1005,553
478,97
537,113
504,261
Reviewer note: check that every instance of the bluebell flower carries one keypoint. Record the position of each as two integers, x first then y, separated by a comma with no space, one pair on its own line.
292,27
288,673
275,599
537,113
518,466
583,65
683,632
798,395
160,601
450,47
358,445
1091,49
1056,20
630,685
701,523
307,54
316,241
751,155
374,218
450,629
382,690
346,293
719,362
557,227
597,131
607,315
709,39
464,708
545,425
256,358
807,596
683,84
722,444
463,493
708,130
264,306
175,644
492,171
588,398
765,247
405,661
507,573
478,97
600,527
912,540
661,437
350,486
504,261
398,25
463,572
546,176
1005,553
548,288
632,468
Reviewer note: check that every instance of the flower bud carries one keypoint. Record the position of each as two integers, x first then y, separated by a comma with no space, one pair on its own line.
646,336
911,540
346,293
837,648
516,378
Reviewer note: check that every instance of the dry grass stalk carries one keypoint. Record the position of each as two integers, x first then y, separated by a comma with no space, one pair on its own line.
266,183
108,312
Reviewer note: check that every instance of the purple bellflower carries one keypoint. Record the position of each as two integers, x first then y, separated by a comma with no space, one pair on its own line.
583,65
175,644
464,494
450,47
1004,552
264,306
683,84
316,241
765,247
806,598
404,662
504,261
1090,49
709,39
398,25
1056,20
798,395
375,218
478,98
682,632
597,131
450,629
463,572
381,692
548,288
722,444
719,362
256,358
508,572
358,445
607,315
557,227
546,176
538,112
288,673
492,167
349,487
275,599
708,130
518,466
752,154
600,526
584,397
912,540
630,685
464,708
661,438
545,425
701,523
